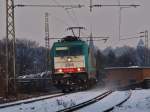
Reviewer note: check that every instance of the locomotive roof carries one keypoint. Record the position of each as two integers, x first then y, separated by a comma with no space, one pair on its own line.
70,38
130,67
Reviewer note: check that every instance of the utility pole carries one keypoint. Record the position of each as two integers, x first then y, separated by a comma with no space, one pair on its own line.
146,45
146,50
10,36
91,3
47,46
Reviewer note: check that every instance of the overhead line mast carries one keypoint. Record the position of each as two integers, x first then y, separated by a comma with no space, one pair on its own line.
47,43
146,50
91,3
10,36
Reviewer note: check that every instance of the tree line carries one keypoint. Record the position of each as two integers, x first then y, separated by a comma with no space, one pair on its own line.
122,57
31,58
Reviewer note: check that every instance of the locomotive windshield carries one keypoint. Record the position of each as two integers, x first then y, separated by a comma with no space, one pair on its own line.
68,51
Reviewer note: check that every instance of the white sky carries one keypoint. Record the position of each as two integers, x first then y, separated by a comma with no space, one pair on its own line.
29,21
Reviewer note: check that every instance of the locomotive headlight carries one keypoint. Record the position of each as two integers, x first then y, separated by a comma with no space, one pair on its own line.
79,69
60,70
69,59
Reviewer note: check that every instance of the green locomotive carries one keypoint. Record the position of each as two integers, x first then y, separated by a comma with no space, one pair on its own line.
73,64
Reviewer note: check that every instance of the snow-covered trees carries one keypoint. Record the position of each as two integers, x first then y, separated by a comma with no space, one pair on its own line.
30,57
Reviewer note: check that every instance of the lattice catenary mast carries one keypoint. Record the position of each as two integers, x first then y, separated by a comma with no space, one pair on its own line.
47,42
10,37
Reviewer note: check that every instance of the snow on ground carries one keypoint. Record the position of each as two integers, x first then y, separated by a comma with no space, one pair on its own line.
54,104
28,100
139,102
107,102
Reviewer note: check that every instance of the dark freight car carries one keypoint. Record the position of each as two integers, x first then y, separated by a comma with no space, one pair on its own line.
128,76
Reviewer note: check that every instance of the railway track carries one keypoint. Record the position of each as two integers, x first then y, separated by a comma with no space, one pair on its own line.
107,104
106,100
31,100
94,100
119,104
84,104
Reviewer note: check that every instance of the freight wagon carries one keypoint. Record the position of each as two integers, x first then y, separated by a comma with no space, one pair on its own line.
128,76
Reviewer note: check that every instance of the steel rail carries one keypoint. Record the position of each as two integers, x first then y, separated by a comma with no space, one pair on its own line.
111,108
31,100
86,103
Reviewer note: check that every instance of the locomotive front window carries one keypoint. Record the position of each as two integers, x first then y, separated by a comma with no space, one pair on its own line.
69,51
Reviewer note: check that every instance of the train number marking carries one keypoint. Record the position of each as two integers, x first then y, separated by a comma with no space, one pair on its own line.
69,65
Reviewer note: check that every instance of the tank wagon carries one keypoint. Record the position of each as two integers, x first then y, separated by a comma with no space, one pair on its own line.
131,77
73,64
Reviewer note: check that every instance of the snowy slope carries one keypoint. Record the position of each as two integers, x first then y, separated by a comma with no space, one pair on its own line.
139,102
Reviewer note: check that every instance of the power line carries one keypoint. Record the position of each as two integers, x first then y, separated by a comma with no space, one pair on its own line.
61,21
58,5
66,10
73,12
130,38
61,6
72,19
68,13
99,5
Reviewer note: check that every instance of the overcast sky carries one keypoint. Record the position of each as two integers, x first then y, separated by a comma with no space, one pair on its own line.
29,21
